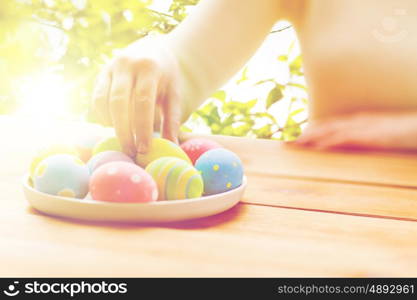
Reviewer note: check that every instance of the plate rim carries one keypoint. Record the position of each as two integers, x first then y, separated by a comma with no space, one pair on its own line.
25,184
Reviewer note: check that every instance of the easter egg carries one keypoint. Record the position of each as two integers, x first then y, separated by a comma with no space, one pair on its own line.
176,179
107,144
85,145
159,148
195,147
121,181
48,151
106,157
221,170
62,175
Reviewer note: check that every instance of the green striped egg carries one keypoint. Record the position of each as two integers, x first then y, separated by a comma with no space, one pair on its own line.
176,179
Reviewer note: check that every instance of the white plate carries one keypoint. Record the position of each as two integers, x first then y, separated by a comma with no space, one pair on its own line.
160,211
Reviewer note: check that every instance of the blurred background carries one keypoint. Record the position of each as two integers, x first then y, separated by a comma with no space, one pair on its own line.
52,50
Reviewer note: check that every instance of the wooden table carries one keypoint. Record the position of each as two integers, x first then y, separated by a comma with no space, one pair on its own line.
303,214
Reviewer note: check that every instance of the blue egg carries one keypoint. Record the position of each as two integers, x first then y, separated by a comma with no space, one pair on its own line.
221,170
62,175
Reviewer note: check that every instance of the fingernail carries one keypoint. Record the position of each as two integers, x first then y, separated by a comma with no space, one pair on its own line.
129,152
142,148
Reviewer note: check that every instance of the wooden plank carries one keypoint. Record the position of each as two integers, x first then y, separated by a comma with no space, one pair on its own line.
277,159
247,240
332,196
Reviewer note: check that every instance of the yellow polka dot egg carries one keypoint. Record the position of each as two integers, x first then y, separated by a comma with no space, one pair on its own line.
62,175
176,179
107,144
159,148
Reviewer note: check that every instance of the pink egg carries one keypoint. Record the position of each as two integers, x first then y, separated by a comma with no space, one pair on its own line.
196,147
105,157
122,182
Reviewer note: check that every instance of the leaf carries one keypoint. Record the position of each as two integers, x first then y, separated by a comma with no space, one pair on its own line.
291,130
283,58
251,103
274,96
266,115
206,109
244,76
214,114
296,65
209,113
215,128
296,112
220,95
297,85
239,108
265,81
242,130
264,132
291,47
228,130
185,128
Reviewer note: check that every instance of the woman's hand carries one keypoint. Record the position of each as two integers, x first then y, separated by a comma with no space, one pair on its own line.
365,130
145,76
180,72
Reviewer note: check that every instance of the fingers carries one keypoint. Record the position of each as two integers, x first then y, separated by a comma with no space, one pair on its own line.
317,131
338,141
100,105
322,135
362,131
171,120
337,137
126,98
119,101
144,100
313,134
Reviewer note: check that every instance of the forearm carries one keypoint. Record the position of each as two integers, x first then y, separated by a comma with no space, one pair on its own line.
216,40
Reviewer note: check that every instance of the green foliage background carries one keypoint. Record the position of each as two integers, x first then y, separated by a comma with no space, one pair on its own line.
91,31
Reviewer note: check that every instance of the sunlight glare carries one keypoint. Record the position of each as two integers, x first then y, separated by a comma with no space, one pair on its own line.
44,97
